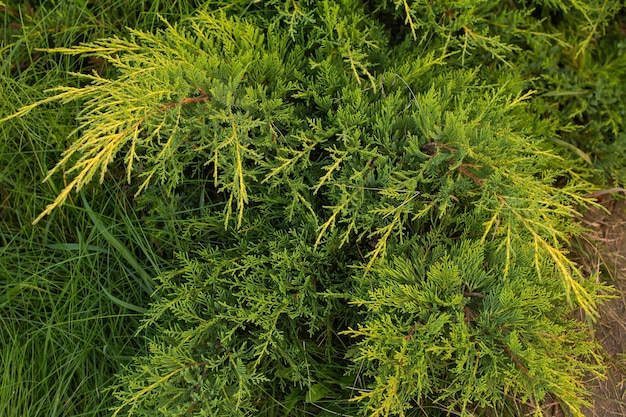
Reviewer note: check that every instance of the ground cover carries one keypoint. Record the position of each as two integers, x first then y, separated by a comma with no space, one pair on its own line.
290,208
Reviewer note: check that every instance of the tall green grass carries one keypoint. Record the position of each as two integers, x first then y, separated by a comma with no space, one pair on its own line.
72,289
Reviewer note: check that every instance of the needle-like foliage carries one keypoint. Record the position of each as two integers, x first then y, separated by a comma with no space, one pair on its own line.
370,214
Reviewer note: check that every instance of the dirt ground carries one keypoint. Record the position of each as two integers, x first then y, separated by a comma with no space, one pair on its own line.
605,251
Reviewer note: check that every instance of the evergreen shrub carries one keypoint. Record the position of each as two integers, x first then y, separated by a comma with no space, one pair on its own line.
372,201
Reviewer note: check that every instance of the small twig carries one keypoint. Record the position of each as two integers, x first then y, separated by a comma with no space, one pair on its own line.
515,359
411,333
599,193
474,294
469,316
468,174
204,97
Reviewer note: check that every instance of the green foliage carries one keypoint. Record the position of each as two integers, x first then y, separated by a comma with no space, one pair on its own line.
70,301
365,204
440,319
228,322
587,97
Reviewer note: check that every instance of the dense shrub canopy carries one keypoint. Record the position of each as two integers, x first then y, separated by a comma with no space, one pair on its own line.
371,199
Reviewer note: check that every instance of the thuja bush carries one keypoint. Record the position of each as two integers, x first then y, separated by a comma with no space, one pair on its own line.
371,212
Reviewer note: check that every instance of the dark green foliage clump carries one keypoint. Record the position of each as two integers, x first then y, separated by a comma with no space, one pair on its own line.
370,202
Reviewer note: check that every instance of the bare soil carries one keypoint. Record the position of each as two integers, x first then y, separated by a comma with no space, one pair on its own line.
604,248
